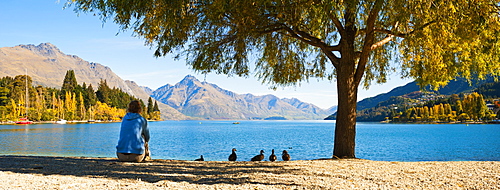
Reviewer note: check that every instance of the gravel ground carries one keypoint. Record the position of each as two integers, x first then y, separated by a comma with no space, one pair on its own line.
36,172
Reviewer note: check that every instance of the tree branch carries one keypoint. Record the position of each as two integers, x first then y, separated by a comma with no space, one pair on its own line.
337,23
369,37
333,58
309,39
319,43
271,29
404,35
382,42
304,37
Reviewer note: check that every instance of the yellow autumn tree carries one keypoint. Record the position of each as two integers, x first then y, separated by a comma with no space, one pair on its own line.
106,113
69,106
81,108
38,108
14,110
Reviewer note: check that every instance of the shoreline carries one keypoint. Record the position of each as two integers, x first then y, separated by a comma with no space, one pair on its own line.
45,172
383,122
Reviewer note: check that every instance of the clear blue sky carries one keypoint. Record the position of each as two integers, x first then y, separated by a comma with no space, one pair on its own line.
84,35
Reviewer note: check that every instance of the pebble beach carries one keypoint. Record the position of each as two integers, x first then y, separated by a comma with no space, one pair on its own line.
40,172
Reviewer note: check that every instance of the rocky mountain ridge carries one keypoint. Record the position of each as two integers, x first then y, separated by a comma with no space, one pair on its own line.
47,65
208,101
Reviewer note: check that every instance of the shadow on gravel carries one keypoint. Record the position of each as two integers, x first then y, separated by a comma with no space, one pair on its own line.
152,171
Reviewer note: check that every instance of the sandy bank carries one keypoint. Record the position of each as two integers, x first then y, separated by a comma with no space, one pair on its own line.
34,172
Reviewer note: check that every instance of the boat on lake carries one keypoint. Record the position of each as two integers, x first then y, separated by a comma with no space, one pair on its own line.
61,121
26,100
24,121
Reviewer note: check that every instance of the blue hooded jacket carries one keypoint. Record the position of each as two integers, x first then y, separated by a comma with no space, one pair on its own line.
132,130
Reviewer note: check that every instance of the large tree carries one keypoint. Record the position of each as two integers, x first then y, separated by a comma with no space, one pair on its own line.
69,82
352,42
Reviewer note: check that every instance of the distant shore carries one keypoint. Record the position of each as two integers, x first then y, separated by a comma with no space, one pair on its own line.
386,121
40,172
55,122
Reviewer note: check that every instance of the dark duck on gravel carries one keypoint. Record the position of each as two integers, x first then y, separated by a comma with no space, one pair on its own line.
259,157
200,159
273,157
233,156
285,156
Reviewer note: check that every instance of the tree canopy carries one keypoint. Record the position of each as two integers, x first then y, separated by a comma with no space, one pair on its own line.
288,42
69,82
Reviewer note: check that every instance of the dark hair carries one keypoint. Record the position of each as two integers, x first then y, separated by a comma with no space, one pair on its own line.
134,107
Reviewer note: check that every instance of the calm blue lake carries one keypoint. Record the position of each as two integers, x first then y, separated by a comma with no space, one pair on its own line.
304,140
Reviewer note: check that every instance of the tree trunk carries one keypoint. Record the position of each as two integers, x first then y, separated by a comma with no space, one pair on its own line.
347,87
345,127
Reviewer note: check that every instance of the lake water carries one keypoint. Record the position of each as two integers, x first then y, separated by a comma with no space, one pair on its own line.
304,140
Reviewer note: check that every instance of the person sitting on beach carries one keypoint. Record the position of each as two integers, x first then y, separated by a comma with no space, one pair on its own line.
134,135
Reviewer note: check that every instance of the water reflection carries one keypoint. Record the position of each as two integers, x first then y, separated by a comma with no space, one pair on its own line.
34,128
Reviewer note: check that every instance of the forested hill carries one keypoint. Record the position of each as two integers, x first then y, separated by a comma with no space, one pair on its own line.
403,98
457,86
398,91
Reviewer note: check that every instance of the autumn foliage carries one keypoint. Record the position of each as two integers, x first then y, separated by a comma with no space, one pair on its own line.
73,102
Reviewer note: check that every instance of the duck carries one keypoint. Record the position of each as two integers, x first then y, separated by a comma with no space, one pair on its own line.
285,156
233,156
200,159
259,157
272,157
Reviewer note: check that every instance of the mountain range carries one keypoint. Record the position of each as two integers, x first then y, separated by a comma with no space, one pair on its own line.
208,101
188,99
